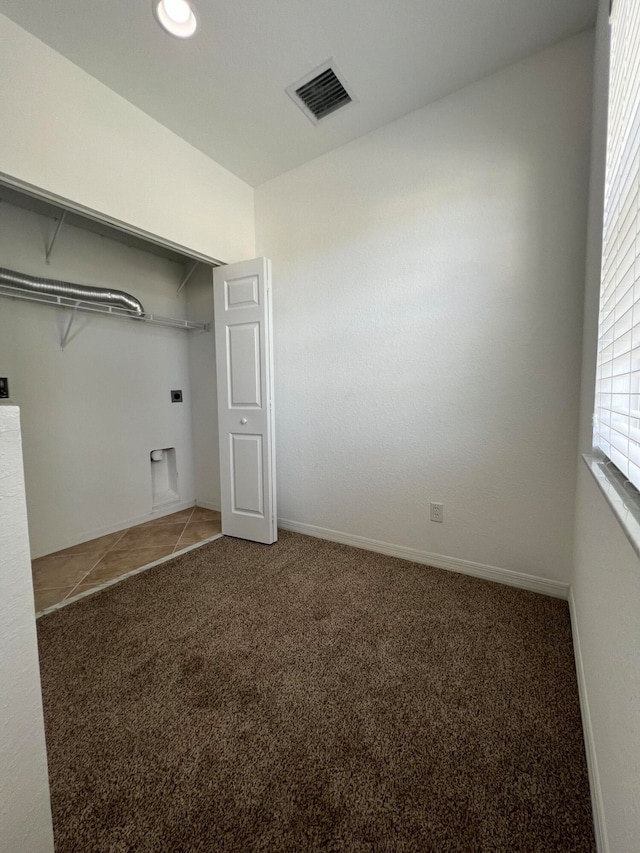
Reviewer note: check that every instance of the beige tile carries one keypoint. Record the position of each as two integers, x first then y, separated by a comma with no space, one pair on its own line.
175,518
196,531
48,597
152,536
57,572
95,547
83,587
117,563
202,514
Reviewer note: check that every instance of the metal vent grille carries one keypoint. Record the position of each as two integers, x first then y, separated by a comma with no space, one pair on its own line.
324,94
321,92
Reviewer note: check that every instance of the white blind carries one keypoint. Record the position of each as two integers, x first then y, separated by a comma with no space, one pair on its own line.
617,415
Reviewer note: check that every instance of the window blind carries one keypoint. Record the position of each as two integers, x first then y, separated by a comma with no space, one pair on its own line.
617,414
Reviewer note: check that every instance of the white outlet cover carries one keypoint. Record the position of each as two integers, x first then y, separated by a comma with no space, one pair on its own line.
437,512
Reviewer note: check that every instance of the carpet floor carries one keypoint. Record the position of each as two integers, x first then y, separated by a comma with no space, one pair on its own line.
309,696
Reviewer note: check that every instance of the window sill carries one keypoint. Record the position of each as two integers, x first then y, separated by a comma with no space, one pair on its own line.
621,496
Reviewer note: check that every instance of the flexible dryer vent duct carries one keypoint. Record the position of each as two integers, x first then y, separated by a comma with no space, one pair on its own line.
51,287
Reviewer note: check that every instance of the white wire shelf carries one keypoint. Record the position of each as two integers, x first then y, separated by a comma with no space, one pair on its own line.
98,308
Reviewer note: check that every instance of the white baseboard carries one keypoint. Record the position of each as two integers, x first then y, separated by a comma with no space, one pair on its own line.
602,843
167,509
438,561
208,505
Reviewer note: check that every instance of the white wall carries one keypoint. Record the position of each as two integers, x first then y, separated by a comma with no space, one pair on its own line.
65,132
91,413
606,577
606,600
428,297
25,813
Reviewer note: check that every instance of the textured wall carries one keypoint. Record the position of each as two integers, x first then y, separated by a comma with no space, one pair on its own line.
606,595
25,813
428,296
65,132
606,576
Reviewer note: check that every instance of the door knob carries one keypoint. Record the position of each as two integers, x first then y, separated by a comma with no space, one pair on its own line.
243,420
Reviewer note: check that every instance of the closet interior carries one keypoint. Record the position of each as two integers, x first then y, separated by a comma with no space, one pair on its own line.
116,385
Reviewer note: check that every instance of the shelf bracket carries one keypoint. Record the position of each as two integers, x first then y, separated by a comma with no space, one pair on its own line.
187,277
55,236
65,337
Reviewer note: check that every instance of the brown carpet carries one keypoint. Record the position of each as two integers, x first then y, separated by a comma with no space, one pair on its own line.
308,696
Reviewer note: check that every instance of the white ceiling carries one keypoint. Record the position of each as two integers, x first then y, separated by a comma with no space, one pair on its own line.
224,90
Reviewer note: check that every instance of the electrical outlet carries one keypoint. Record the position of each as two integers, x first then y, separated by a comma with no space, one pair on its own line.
437,512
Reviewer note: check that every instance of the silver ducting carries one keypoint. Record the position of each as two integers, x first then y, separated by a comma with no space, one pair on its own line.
51,287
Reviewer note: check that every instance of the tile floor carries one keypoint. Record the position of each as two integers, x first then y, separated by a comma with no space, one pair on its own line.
64,574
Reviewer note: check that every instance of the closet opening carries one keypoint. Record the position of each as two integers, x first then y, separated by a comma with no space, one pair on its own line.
119,472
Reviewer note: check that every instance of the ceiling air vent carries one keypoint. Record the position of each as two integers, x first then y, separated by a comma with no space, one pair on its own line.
321,92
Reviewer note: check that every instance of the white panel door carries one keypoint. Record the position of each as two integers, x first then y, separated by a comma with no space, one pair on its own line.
244,363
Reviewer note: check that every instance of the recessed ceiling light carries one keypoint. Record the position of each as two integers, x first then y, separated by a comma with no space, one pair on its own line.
177,17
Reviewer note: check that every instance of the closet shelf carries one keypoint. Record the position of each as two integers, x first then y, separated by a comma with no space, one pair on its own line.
99,308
